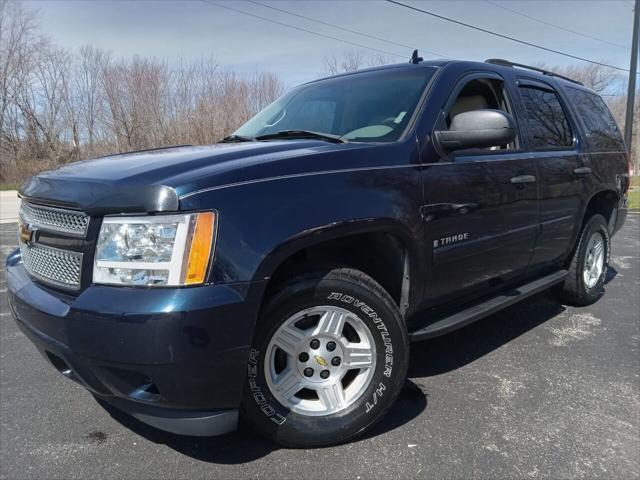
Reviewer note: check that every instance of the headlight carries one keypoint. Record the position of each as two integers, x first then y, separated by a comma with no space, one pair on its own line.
161,250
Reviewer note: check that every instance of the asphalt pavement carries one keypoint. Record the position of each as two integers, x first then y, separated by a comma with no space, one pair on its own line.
539,390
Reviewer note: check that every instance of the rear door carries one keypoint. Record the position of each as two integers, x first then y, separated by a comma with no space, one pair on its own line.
480,209
552,140
607,154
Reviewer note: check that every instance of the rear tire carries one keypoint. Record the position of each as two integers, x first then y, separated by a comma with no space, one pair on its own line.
329,358
584,283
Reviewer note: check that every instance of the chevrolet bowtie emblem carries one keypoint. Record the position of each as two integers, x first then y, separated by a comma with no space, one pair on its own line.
321,361
26,234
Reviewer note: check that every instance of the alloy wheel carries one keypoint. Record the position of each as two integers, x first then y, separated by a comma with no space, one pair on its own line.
320,360
594,260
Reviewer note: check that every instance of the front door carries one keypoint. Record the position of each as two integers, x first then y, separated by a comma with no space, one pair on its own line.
481,207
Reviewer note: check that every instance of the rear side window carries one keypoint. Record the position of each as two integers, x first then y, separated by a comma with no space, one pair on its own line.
548,124
602,132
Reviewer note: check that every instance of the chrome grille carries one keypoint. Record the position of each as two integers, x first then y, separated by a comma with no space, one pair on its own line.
61,268
54,219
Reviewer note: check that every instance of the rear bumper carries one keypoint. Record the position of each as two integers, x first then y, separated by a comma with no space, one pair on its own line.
174,358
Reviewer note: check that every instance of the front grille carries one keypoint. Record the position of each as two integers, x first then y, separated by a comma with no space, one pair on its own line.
61,268
54,219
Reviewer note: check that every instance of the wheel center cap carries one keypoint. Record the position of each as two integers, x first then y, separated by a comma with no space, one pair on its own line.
321,361
321,364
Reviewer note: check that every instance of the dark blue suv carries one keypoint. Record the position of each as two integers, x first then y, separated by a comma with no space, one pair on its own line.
280,275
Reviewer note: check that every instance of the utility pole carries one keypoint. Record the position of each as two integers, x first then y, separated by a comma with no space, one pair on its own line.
631,92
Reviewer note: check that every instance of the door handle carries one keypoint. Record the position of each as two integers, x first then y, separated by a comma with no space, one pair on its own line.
523,179
582,171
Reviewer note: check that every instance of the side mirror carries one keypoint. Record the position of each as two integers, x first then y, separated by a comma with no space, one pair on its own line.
477,129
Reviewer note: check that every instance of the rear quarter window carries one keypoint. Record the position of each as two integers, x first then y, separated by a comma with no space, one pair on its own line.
602,132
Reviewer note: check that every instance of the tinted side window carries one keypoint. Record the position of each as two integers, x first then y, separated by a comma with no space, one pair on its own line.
548,124
602,132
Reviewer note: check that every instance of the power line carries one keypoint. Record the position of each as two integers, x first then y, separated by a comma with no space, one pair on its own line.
559,27
500,35
304,29
373,37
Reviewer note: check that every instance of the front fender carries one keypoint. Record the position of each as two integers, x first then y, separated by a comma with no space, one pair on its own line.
333,231
263,223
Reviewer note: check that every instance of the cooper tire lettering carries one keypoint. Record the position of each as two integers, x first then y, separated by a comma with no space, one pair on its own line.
258,396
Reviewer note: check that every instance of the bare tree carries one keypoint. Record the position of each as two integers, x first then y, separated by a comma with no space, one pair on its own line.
89,93
379,59
16,49
352,61
264,88
137,98
348,63
41,101
600,79
17,36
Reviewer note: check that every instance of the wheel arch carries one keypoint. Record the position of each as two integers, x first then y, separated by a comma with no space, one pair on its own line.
384,249
602,202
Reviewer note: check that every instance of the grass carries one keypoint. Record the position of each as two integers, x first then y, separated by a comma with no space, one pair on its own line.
634,200
635,181
9,186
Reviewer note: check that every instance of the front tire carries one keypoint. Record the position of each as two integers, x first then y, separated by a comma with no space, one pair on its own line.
588,268
329,358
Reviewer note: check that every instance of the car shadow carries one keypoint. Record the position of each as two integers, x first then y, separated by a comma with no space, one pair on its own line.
244,445
428,358
461,347
610,275
237,447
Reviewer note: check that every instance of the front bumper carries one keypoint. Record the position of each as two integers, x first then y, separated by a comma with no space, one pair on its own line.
172,357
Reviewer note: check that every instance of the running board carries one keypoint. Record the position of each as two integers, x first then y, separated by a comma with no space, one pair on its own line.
481,310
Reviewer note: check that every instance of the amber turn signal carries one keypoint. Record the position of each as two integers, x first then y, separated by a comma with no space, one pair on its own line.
200,248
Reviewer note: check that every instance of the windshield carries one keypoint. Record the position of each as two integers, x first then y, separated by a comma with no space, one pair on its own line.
368,106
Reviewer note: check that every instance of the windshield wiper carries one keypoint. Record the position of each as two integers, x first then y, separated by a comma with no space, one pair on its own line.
297,134
237,139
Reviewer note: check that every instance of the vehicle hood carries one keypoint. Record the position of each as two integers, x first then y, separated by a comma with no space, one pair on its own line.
154,180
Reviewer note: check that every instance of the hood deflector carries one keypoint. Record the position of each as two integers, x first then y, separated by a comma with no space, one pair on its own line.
99,198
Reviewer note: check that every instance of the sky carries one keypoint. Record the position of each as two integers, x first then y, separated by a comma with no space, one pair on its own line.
193,29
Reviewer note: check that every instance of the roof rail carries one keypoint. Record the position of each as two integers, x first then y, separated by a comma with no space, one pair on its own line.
507,63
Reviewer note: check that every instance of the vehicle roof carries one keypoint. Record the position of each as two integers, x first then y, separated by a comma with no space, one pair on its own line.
407,65
559,81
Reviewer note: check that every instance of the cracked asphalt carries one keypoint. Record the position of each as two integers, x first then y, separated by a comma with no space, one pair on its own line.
539,390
